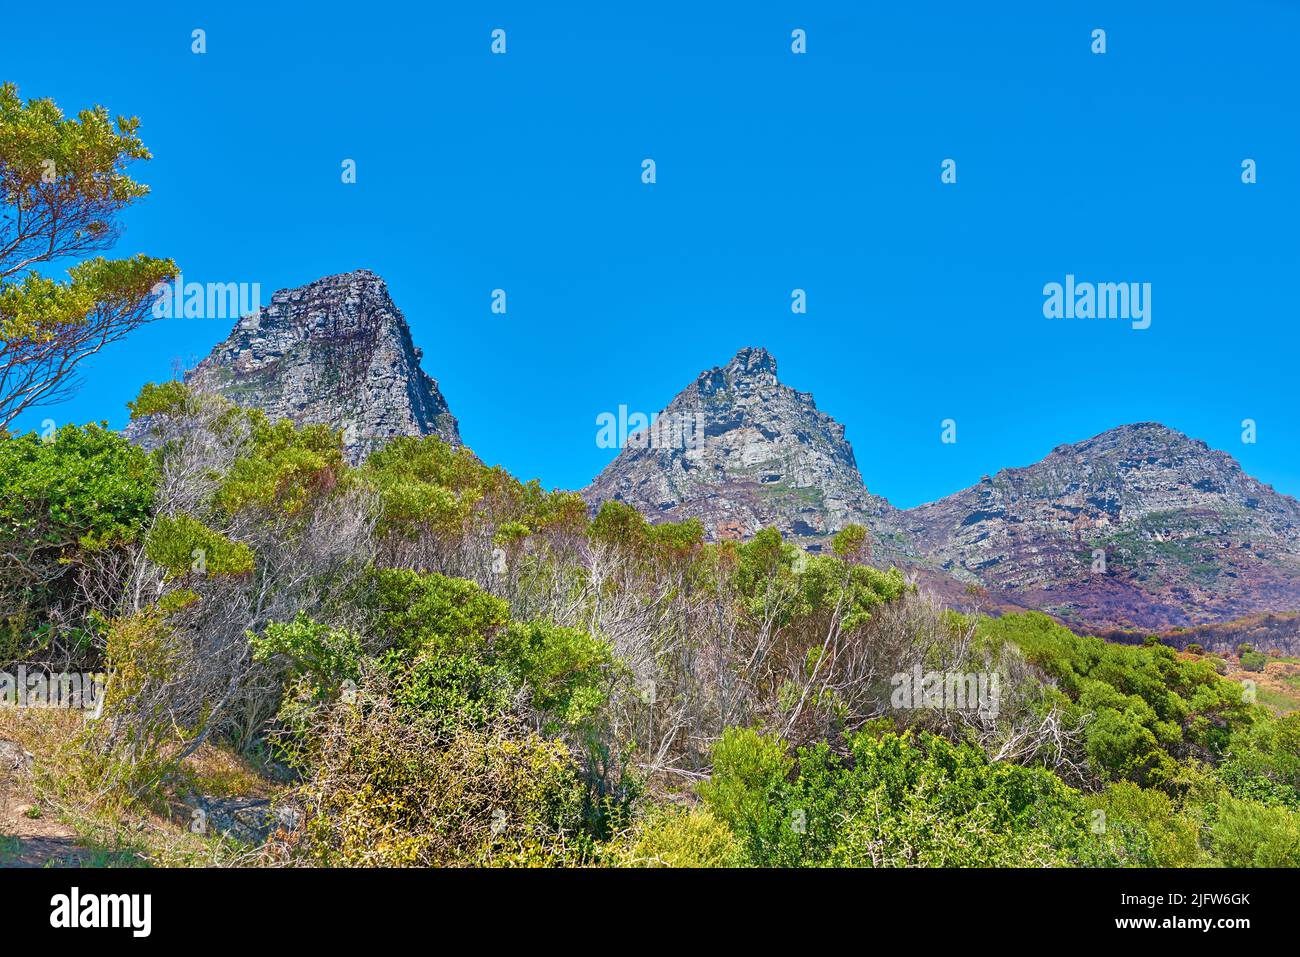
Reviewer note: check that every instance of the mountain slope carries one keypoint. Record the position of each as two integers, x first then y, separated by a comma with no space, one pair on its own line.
763,455
1140,527
1187,536
336,351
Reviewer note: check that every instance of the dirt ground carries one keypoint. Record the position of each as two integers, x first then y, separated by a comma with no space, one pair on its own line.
29,836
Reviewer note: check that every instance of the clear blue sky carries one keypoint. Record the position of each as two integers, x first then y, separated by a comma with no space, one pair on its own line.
775,171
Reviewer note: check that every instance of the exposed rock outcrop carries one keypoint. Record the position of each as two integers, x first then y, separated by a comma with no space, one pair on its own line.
1140,527
740,451
338,352
1185,534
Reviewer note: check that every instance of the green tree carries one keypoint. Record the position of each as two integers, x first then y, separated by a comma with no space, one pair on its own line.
62,186
853,544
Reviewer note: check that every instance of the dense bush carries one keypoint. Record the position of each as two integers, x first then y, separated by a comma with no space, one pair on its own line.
73,503
1144,828
1263,762
1248,834
458,668
894,800
1254,661
673,837
182,545
1147,708
387,790
414,612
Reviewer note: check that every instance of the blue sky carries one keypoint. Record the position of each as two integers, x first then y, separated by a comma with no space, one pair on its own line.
774,172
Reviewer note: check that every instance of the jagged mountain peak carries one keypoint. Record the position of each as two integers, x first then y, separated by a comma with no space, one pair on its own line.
360,284
335,351
766,456
753,362
361,274
750,370
358,279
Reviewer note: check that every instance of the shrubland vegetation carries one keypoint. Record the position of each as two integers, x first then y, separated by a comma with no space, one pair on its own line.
432,663
428,662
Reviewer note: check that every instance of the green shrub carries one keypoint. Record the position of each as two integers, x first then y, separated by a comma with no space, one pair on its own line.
326,656
416,612
568,670
451,690
183,546
67,499
427,486
1263,762
1142,707
684,838
1248,834
894,801
285,468
1254,661
1143,827
387,790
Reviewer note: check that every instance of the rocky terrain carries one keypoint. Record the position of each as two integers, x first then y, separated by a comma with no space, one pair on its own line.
1267,630
336,351
746,452
1186,535
1140,527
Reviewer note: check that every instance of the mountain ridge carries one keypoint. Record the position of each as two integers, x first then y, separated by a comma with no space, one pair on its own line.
1129,528
1137,515
768,456
1137,527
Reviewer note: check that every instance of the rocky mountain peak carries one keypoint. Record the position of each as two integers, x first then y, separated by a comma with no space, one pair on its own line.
336,351
767,456
754,364
1140,526
1140,438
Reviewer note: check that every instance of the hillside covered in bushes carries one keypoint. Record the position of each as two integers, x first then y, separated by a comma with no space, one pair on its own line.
422,660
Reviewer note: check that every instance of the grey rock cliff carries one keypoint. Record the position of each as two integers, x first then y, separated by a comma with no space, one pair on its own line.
338,352
1186,535
762,455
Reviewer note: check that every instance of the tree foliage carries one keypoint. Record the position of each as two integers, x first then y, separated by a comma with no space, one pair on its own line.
63,183
73,503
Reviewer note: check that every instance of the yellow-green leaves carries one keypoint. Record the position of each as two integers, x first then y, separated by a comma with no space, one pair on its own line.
63,185
185,546
40,147
39,309
169,398
286,468
426,485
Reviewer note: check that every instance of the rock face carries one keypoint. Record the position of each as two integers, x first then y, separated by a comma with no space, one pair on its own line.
338,352
1186,535
1139,528
740,451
